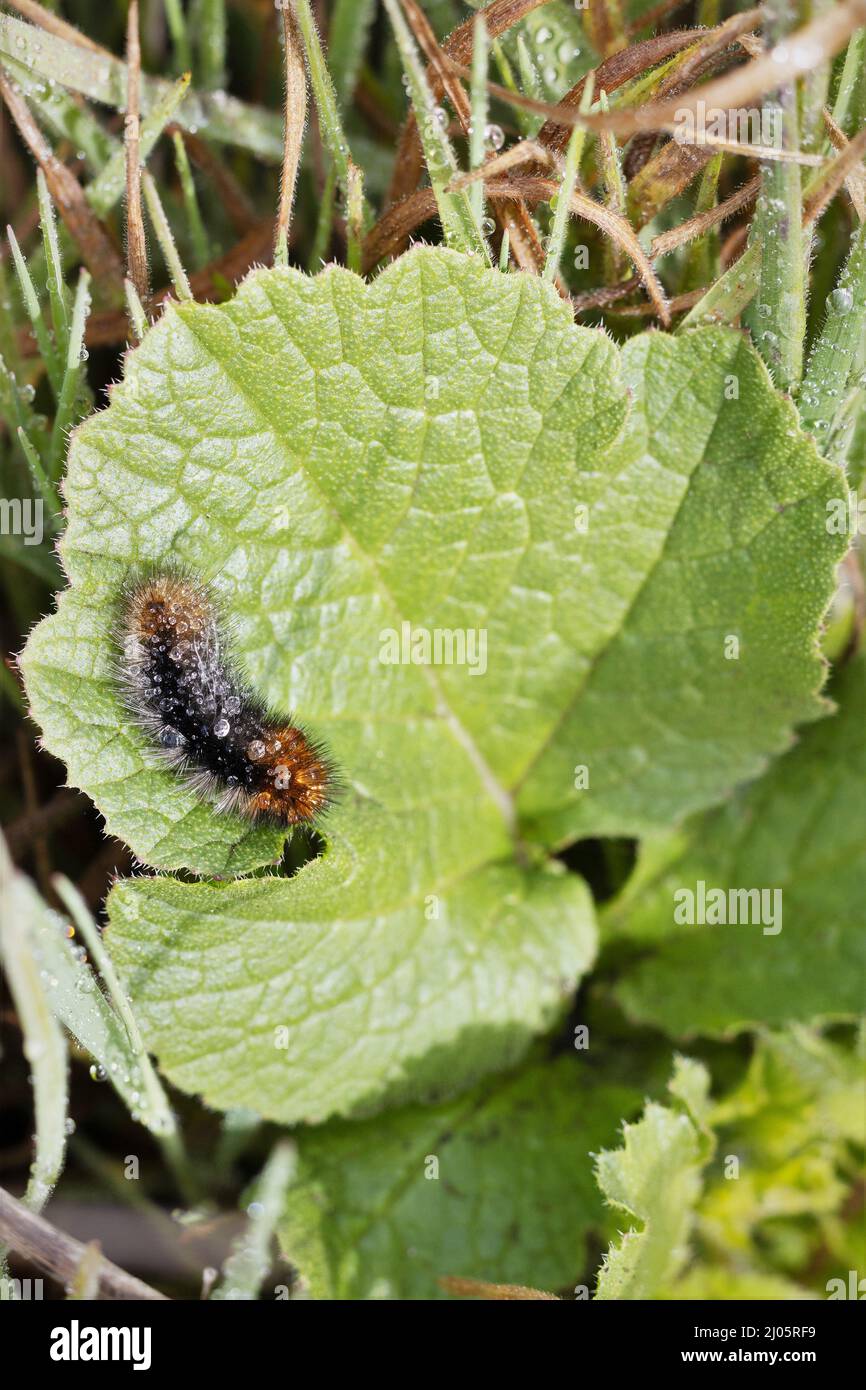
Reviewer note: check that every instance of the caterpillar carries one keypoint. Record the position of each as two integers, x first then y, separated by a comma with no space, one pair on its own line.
181,686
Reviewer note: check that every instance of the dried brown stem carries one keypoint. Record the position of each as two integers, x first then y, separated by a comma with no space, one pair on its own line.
442,75
477,1288
802,51
855,179
525,152
136,246
60,1256
705,221
295,119
614,72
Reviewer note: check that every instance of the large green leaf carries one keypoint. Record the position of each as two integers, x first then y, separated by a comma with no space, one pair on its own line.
801,830
341,459
495,1186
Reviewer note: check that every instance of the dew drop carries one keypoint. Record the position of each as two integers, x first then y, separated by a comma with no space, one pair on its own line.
494,136
255,750
98,1072
221,727
842,301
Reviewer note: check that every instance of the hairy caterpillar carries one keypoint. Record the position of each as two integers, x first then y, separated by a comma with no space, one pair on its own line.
181,687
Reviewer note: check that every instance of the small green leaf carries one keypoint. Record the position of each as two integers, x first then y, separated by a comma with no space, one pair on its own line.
801,831
656,1179
496,1186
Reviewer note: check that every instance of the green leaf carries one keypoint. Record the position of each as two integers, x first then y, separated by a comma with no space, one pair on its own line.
346,461
22,915
703,1284
802,830
711,505
496,1186
327,992
654,1178
796,1126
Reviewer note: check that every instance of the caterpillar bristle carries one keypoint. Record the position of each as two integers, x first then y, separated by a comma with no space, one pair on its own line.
202,717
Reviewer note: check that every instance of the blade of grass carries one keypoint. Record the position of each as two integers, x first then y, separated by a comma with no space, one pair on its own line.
331,126
347,37
324,222
44,1044
564,197
47,349
8,327
702,261
161,1116
66,403
777,316
850,99
57,291
42,484
478,97
504,249
245,1269
59,112
461,228
725,301
162,231
12,407
135,309
530,123
198,235
209,25
816,85
176,20
834,355
102,77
